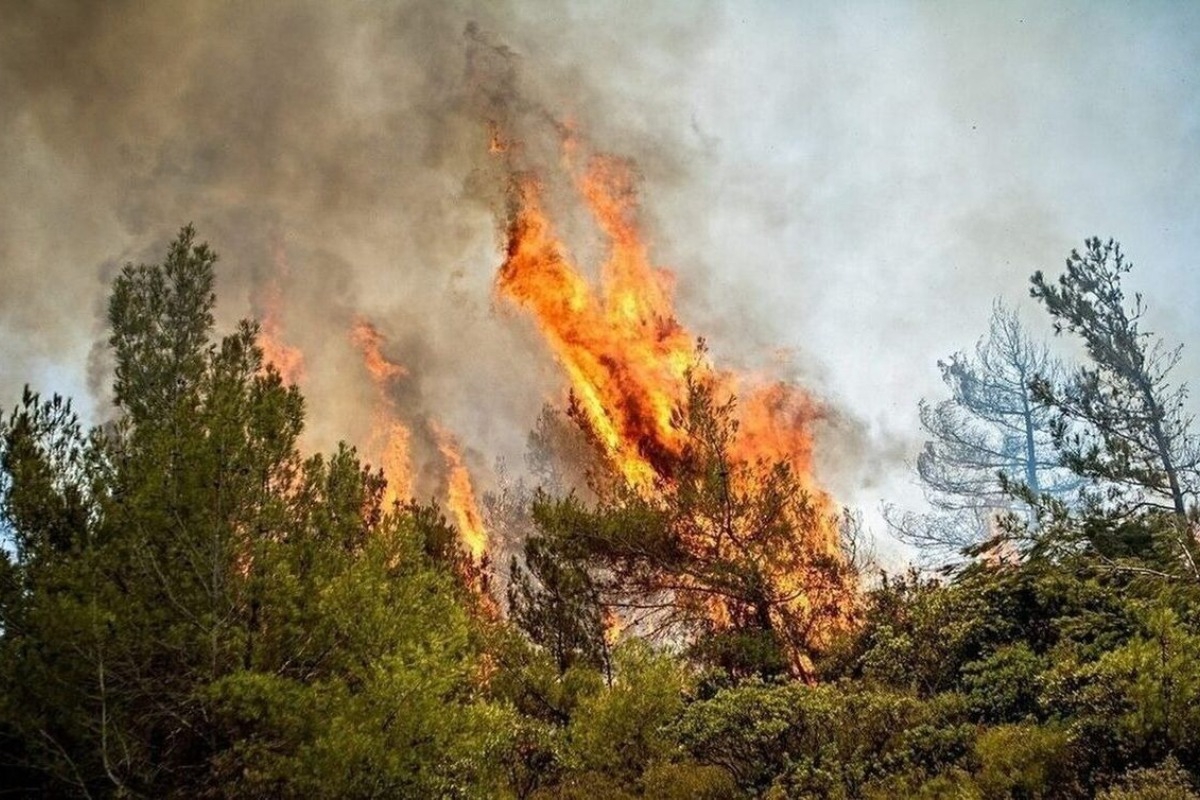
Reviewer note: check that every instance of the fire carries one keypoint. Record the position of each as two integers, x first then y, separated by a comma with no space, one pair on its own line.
267,301
774,425
390,443
460,495
625,354
370,341
628,360
624,351
389,439
613,626
497,144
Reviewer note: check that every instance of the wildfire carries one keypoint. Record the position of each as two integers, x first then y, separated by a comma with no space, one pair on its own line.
624,352
774,425
267,300
631,365
628,360
388,441
497,144
460,495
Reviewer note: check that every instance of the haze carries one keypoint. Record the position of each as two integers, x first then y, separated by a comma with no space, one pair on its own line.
841,191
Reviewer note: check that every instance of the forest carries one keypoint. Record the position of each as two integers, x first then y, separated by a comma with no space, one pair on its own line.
193,606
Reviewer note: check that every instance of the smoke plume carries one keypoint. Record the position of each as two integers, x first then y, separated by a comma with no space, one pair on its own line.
855,185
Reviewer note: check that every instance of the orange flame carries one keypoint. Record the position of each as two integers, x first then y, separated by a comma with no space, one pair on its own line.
460,495
267,301
628,359
388,442
613,626
775,425
624,352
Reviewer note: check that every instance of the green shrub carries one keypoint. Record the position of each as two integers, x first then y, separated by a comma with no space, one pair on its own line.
1167,781
1023,761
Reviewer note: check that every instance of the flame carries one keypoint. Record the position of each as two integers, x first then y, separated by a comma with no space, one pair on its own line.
267,301
623,350
370,341
460,495
613,626
389,439
775,422
390,443
628,361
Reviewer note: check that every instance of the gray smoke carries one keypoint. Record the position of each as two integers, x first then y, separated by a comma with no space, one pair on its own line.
850,185
334,154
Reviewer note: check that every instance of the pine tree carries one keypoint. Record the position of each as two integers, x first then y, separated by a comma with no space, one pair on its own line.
1137,430
991,433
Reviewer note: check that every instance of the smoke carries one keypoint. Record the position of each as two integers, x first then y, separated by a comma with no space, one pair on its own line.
334,155
852,185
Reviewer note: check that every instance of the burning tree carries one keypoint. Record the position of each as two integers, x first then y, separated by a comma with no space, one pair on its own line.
184,577
711,526
719,556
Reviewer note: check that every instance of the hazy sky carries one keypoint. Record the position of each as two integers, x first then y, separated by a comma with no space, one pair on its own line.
851,183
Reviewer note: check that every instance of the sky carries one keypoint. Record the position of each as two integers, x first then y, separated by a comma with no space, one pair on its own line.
841,189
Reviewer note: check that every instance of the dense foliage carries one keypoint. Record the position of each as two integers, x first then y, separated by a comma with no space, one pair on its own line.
189,607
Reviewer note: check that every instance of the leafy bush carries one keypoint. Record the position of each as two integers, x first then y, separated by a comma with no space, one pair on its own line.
1003,687
1167,781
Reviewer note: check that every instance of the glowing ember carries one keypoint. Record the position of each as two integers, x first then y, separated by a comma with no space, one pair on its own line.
614,626
388,441
460,495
